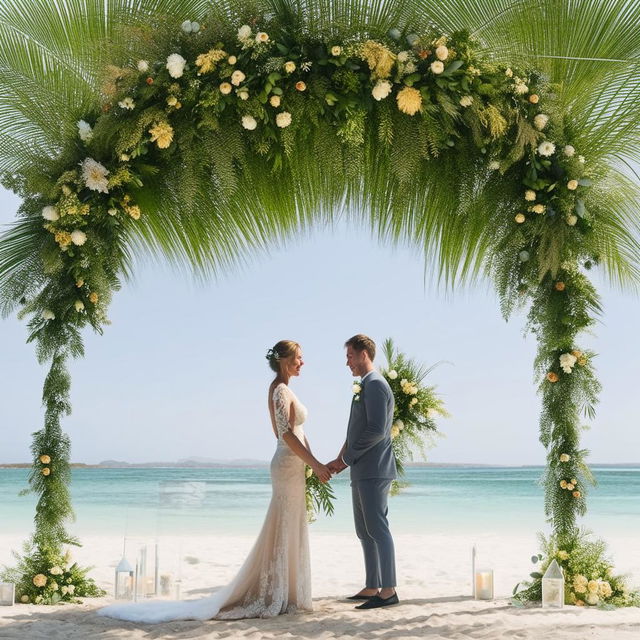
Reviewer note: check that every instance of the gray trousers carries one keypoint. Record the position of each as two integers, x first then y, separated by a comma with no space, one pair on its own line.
372,527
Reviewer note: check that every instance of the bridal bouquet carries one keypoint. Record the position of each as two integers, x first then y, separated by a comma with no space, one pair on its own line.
319,496
416,406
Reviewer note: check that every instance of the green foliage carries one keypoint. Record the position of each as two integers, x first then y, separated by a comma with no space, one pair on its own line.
45,575
589,576
319,496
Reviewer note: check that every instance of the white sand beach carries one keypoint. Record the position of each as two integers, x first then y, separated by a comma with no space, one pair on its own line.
434,587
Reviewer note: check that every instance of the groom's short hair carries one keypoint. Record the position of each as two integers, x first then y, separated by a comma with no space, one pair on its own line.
360,342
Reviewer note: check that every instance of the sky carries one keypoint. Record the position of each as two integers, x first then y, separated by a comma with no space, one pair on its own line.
181,371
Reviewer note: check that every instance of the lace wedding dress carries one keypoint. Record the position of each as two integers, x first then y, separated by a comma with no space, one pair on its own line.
276,576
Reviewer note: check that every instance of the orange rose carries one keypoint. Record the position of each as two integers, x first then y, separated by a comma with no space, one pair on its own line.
149,80
552,377
534,98
560,286
46,471
301,86
576,353
576,494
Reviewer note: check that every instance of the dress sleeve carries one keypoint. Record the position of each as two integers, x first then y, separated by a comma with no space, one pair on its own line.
281,408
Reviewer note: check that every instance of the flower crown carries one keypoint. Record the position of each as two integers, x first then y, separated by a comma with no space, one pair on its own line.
272,354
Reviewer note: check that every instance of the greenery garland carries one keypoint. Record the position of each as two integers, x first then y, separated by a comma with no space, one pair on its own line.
187,107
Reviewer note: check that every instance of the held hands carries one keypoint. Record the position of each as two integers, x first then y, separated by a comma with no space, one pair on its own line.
336,466
322,471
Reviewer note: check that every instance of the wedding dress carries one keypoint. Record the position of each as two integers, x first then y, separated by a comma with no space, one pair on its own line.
276,576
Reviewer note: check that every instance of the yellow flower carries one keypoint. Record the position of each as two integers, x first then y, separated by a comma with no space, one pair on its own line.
309,472
552,377
593,586
576,494
379,59
79,283
207,61
565,457
534,98
63,238
563,555
582,361
563,484
162,134
300,85
46,471
93,297
40,580
290,66
133,211
395,432
45,459
409,100
520,218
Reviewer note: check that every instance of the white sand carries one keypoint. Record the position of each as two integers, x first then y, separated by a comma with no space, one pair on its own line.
433,584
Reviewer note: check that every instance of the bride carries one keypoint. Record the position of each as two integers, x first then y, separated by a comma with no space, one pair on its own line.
276,576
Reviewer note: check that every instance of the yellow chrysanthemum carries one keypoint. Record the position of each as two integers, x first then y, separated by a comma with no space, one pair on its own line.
207,61
409,100
63,238
133,211
162,134
379,59
93,297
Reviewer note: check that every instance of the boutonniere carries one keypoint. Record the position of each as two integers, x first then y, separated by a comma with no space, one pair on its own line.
357,390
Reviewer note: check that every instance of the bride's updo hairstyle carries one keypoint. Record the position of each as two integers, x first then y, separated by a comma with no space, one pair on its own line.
280,351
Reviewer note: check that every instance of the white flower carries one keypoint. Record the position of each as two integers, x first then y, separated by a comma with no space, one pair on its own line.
538,208
442,53
392,375
112,211
63,590
569,151
79,305
95,175
546,148
78,237
540,121
244,32
283,119
56,571
71,588
47,314
508,73
530,195
237,77
290,66
437,67
395,432
249,122
127,103
336,51
572,220
261,36
413,401
521,88
410,67
50,213
143,66
572,185
84,131
225,88
356,388
399,424
581,159
565,457
381,90
125,157
466,101
593,586
494,165
274,101
243,94
175,65
403,56
567,362
232,59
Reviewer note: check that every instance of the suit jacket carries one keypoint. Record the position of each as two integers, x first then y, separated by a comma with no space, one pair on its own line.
369,453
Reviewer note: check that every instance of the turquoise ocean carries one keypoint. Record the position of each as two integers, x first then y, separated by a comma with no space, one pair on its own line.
233,501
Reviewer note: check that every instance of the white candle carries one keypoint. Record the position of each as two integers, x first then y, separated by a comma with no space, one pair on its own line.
7,594
484,584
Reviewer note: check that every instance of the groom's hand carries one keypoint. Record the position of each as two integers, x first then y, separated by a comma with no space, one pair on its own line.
336,466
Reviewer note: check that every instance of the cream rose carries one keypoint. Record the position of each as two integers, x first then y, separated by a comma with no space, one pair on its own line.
437,67
442,53
249,122
572,185
381,90
237,77
283,119
50,213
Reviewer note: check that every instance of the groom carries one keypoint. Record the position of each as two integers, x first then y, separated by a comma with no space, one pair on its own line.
367,450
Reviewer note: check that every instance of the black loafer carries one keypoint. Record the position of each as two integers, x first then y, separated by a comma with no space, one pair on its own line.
359,597
376,601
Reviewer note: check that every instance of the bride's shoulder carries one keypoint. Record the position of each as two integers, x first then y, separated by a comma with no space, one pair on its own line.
279,388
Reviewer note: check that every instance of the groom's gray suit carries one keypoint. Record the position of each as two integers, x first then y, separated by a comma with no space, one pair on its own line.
369,454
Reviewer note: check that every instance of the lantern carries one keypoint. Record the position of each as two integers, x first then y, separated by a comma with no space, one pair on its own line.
124,581
484,584
553,587
7,594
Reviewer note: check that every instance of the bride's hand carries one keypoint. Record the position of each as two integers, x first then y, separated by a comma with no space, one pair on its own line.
322,471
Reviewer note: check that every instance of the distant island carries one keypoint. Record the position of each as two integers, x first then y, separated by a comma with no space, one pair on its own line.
197,462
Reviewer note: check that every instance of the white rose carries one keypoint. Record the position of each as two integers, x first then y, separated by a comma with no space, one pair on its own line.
55,571
71,588
283,119
78,237
232,59
112,211
244,32
127,103
466,101
225,88
261,36
249,122
290,66
540,121
274,101
336,51
381,90
175,65
143,66
395,432
63,590
356,388
592,598
572,220
399,424
47,314
50,213
442,53
565,457
237,77
79,305
572,185
569,151
243,94
437,67
85,132
393,374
